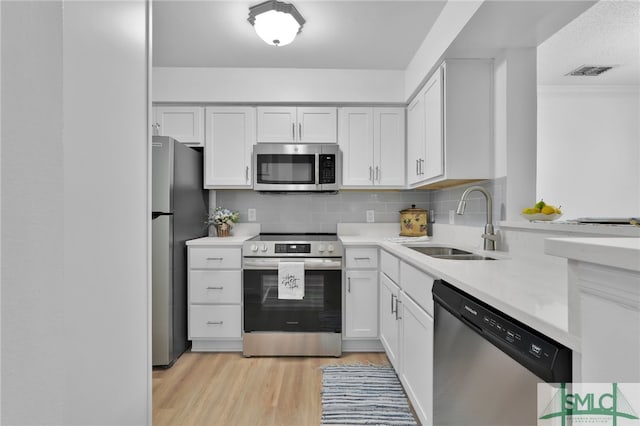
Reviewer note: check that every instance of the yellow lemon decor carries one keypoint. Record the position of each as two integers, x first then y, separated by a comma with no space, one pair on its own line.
541,211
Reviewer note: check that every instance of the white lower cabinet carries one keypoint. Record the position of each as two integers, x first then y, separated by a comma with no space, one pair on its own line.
406,329
389,319
215,298
361,293
361,304
416,356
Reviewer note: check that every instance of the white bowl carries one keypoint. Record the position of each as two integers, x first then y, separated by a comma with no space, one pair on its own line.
541,216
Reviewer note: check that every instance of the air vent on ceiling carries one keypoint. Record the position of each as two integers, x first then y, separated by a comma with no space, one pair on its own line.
589,70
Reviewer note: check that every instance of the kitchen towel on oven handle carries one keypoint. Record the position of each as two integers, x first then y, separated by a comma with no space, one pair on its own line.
291,280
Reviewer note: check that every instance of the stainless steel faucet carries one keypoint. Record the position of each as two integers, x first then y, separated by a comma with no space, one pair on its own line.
489,236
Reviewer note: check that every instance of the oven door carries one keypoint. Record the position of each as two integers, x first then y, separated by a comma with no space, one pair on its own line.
319,311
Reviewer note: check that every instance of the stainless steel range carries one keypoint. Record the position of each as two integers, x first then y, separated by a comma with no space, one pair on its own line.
280,321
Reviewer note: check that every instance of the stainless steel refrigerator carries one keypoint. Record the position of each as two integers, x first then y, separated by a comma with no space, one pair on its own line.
179,209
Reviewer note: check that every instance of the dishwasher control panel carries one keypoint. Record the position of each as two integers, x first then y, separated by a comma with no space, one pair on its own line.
514,335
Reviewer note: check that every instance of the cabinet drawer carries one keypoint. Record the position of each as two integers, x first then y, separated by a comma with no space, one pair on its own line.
390,265
214,258
417,285
214,321
361,258
215,286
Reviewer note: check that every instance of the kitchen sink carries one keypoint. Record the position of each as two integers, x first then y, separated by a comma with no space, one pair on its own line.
450,253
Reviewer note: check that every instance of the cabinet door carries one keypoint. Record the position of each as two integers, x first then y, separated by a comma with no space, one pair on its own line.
389,324
434,138
356,144
277,124
317,125
415,138
416,352
182,123
361,304
388,142
230,136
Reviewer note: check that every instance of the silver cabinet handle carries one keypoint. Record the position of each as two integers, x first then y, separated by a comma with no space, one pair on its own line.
246,173
215,288
378,173
421,168
361,258
393,297
398,310
293,131
299,132
215,258
349,285
215,322
371,173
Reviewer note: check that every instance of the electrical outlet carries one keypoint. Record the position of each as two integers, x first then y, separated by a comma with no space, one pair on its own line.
252,215
371,216
452,216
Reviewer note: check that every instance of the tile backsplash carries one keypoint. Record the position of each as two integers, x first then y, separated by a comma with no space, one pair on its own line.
322,212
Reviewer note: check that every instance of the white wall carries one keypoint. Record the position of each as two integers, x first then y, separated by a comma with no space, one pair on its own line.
32,218
180,84
515,141
589,150
75,302
454,16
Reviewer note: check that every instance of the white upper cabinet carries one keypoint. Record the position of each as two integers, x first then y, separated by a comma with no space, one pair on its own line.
450,126
183,123
230,136
372,141
296,124
415,138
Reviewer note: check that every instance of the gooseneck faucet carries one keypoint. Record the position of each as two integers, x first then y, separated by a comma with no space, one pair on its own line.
489,236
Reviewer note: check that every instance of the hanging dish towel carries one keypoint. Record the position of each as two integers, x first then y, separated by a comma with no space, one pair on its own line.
291,280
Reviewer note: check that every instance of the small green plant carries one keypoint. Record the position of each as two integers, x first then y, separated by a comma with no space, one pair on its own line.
222,216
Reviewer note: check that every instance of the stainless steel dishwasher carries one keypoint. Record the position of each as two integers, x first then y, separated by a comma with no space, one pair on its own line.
487,365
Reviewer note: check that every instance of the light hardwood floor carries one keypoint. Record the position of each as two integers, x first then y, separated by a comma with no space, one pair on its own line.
228,389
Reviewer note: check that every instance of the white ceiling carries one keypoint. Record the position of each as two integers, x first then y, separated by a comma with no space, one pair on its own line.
384,35
606,34
337,34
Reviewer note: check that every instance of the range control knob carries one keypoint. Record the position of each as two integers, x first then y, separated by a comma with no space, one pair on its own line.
321,248
330,248
264,247
254,247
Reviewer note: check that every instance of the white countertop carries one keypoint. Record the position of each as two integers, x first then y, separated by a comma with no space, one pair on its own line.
614,252
220,241
535,294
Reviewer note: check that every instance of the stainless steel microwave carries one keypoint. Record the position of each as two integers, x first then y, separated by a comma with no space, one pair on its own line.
296,167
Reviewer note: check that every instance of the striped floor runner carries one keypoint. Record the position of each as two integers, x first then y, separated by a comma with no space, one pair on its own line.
363,395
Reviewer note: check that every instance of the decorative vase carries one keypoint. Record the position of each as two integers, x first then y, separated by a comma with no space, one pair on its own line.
223,230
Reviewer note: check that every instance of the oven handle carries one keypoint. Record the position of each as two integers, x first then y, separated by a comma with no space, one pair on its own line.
309,263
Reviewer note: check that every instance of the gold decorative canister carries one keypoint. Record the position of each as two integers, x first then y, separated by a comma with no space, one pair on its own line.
413,222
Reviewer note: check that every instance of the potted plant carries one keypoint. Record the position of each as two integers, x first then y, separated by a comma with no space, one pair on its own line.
223,220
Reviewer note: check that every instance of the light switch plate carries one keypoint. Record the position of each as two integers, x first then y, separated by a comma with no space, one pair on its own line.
371,216
252,215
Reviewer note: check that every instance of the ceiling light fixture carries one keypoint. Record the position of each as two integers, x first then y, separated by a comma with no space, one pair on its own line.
276,22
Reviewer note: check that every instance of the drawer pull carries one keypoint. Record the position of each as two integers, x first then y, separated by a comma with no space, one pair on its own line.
362,258
215,322
215,258
215,288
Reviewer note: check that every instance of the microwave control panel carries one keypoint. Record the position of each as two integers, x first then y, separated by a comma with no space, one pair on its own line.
327,168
